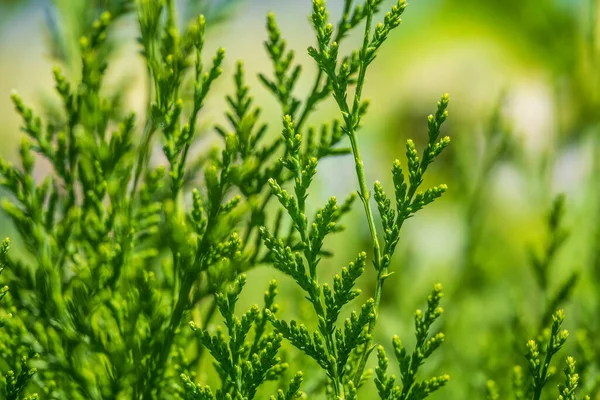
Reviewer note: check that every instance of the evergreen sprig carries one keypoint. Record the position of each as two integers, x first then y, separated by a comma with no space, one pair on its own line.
567,390
538,366
330,346
409,363
243,365
340,73
408,199
293,390
286,74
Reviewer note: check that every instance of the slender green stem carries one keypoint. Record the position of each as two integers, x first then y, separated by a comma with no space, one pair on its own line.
539,384
351,124
365,195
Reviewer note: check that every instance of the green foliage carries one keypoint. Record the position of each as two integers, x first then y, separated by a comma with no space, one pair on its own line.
330,346
243,365
557,235
409,363
105,282
567,391
131,225
540,351
341,75
16,379
124,249
539,355
538,366
492,390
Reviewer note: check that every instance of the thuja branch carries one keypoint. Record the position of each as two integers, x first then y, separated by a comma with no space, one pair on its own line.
539,364
409,363
330,346
408,201
243,365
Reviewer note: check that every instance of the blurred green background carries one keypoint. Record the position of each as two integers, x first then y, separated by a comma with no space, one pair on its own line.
524,82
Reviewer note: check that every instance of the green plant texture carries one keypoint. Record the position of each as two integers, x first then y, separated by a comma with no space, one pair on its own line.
123,252
138,232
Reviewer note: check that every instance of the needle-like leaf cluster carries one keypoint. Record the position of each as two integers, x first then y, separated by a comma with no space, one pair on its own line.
409,363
